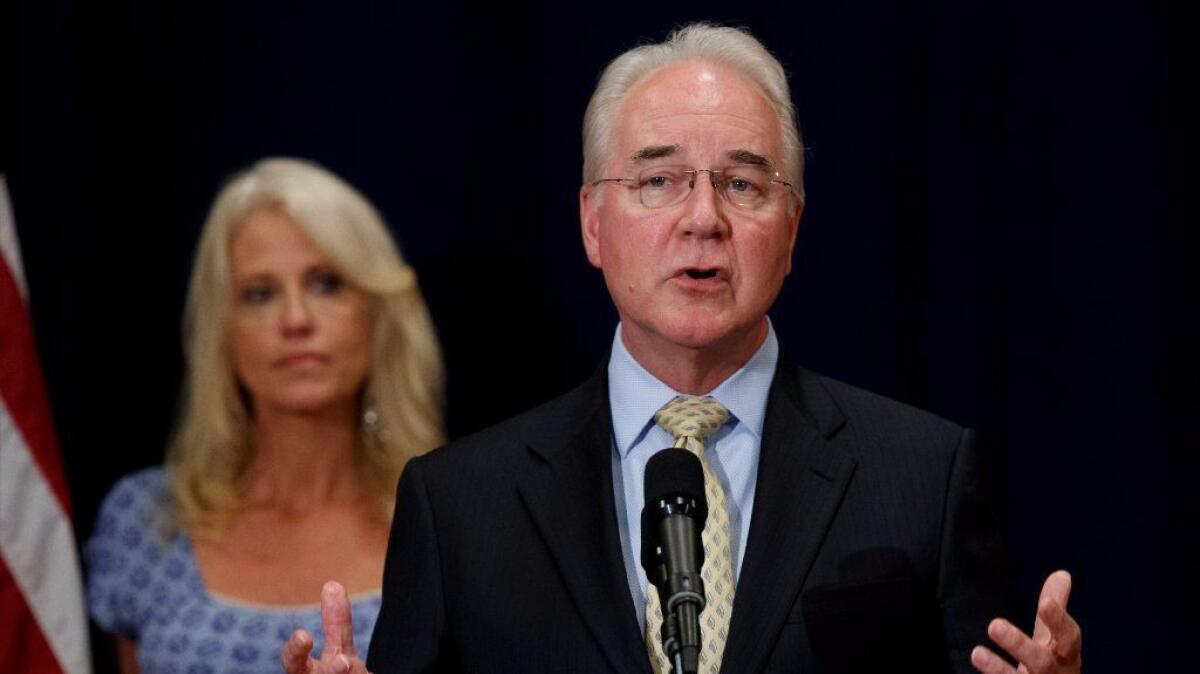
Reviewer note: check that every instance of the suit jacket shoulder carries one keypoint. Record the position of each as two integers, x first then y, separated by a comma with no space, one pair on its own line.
898,416
506,449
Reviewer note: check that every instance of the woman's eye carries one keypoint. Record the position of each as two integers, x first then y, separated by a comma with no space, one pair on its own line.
257,294
326,283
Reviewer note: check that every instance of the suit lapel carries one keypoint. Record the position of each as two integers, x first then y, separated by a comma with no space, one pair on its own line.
569,494
800,485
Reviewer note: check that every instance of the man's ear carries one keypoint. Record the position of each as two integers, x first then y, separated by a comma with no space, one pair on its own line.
589,222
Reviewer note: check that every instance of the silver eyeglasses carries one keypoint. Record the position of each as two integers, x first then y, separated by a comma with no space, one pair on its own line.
746,185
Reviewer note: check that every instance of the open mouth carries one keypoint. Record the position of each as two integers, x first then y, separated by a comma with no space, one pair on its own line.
701,273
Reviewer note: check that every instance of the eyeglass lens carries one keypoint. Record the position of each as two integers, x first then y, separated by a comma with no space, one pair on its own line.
746,186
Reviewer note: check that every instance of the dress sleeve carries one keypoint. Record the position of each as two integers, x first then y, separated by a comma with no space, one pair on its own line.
123,549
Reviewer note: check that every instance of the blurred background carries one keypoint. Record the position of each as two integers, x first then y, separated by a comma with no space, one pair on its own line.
995,229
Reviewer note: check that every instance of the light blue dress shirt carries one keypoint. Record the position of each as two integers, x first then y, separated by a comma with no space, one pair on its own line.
634,396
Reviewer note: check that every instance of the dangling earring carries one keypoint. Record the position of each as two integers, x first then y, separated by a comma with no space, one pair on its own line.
370,419
372,429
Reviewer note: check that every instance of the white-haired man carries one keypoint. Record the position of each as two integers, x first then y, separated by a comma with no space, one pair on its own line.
852,534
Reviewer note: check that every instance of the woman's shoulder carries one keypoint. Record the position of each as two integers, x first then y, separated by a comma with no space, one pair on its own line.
146,480
133,515
139,498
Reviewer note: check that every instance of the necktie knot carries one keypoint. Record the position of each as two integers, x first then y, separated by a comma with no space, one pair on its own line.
692,417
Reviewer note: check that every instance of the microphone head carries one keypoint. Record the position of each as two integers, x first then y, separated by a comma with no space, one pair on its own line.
674,484
674,472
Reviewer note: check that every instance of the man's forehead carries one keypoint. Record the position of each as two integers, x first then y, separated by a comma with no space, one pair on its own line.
700,111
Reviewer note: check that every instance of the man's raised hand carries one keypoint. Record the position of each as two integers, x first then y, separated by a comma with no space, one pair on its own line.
339,655
1055,645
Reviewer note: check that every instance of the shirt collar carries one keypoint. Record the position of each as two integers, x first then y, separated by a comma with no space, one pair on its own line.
634,394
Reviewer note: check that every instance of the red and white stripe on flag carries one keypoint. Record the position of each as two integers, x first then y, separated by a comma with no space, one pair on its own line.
43,623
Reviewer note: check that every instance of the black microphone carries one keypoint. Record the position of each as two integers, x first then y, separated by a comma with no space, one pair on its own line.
672,553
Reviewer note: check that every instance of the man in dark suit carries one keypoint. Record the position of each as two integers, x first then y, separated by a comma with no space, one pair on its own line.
856,534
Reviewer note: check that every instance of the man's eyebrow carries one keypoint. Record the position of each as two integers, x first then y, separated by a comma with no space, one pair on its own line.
751,158
654,152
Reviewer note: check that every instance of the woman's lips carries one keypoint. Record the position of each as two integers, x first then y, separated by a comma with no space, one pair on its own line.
301,360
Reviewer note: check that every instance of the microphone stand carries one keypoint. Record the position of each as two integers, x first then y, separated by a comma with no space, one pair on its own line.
681,592
672,553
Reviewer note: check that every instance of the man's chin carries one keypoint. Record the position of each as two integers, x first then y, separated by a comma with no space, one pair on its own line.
704,332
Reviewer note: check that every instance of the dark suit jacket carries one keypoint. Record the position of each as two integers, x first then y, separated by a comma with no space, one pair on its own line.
870,545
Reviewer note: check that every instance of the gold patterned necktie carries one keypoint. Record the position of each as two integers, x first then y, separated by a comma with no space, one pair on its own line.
691,420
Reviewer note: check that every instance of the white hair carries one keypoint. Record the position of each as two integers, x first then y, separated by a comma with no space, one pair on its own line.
719,45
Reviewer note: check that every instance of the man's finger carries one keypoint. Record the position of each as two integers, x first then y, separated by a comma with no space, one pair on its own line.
1046,620
989,663
342,664
336,621
294,656
1066,636
1052,614
1056,590
1070,646
1057,587
1036,657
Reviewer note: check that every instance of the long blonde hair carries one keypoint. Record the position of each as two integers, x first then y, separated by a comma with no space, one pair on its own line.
211,448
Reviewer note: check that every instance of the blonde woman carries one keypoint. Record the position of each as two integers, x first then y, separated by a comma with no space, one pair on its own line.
313,375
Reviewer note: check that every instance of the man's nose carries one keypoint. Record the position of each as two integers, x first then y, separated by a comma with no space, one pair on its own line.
704,215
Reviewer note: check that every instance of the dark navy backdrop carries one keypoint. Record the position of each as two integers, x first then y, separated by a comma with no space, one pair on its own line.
989,231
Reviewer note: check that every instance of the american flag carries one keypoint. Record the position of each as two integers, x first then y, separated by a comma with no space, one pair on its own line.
43,625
